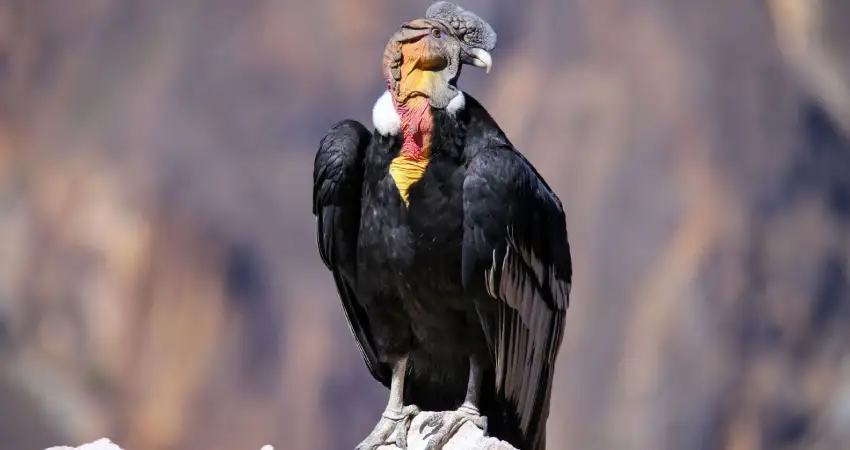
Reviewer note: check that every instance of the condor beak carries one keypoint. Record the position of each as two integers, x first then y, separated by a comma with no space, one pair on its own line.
481,58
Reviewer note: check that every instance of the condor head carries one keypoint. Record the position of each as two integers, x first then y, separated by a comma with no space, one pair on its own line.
423,58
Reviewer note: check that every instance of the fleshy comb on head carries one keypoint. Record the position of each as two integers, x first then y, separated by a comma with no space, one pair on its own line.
468,26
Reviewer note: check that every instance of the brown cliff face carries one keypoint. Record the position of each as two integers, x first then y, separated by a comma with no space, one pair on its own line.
158,275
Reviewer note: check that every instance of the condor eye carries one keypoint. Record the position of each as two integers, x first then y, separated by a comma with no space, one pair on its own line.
436,33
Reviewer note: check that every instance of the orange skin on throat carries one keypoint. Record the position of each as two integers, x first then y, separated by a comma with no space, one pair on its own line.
415,113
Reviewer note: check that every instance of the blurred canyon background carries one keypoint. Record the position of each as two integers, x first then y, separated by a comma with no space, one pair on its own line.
159,282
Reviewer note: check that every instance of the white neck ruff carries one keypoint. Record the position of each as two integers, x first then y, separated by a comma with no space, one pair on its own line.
386,118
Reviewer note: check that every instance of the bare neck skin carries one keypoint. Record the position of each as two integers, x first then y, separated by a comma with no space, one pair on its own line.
409,98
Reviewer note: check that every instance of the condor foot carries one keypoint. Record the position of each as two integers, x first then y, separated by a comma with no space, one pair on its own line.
448,423
390,430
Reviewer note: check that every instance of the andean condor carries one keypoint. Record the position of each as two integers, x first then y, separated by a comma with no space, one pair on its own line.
448,249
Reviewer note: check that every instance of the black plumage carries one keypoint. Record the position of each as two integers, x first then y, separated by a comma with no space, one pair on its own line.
477,265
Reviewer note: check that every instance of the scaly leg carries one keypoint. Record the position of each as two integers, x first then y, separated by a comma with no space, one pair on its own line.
449,422
396,418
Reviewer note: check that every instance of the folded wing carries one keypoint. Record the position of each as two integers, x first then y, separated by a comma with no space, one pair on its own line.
337,183
516,255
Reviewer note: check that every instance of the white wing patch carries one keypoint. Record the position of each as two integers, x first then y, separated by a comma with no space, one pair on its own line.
535,326
385,117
